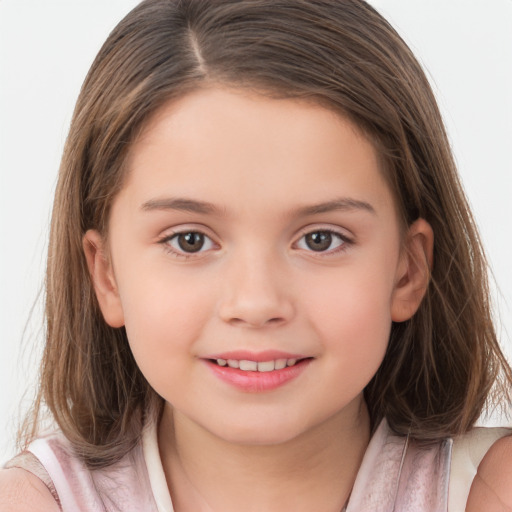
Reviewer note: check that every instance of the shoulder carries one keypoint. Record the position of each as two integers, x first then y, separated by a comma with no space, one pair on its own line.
20,491
492,486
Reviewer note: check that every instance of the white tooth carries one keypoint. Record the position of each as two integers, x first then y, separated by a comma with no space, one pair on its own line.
280,364
250,366
233,363
290,362
266,366
222,362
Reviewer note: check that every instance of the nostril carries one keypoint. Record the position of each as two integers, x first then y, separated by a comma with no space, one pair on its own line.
276,320
253,322
255,311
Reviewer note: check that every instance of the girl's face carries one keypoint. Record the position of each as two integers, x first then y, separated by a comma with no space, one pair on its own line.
260,232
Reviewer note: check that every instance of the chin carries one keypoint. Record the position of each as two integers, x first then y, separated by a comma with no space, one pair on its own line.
260,433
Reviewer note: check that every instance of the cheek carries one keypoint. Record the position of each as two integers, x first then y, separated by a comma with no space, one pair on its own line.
352,315
164,317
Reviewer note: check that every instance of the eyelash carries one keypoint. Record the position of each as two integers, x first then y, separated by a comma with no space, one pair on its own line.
182,254
346,242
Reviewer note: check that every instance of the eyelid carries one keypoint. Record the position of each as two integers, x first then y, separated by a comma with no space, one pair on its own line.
186,228
171,233
337,231
348,240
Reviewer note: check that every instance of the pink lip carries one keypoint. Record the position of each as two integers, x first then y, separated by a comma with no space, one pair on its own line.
247,355
257,382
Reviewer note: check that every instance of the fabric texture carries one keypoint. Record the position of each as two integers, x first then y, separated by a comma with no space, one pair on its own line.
396,475
121,487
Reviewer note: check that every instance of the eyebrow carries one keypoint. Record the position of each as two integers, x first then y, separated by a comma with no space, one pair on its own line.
343,204
204,207
181,204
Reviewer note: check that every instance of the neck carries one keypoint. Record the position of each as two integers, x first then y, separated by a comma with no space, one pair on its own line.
315,471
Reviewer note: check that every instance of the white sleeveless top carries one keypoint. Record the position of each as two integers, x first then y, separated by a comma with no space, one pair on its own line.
396,475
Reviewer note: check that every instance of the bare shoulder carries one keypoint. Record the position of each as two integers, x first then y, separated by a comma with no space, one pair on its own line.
20,491
492,486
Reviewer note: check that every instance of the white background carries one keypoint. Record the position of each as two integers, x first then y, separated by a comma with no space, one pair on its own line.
46,48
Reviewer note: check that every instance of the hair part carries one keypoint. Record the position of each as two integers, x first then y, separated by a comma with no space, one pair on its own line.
440,365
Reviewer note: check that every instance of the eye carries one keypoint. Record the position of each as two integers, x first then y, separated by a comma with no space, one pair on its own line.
322,241
188,242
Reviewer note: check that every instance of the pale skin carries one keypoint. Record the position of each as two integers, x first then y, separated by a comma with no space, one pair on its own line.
255,287
257,178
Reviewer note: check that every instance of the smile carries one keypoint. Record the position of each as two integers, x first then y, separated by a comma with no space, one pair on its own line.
257,366
265,374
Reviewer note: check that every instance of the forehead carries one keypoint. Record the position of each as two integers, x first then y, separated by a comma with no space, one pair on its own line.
237,146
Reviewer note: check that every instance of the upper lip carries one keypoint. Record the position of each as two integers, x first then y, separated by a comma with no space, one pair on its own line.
247,355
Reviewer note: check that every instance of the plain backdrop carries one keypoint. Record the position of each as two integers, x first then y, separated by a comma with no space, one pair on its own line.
46,49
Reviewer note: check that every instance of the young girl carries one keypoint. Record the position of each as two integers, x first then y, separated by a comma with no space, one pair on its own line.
265,290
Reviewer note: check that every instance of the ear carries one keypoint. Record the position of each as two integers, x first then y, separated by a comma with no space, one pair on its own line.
103,279
413,274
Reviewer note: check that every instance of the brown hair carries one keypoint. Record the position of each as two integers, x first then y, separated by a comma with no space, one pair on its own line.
440,366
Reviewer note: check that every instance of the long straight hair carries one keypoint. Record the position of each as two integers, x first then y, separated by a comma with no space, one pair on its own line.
440,365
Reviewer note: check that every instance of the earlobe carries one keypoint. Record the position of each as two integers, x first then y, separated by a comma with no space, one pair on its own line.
103,279
413,274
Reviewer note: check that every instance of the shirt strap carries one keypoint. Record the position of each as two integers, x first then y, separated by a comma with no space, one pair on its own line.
29,462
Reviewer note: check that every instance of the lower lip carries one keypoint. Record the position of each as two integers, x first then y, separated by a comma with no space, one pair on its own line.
255,382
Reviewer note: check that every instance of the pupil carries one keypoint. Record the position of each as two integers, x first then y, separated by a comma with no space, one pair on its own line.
319,241
191,242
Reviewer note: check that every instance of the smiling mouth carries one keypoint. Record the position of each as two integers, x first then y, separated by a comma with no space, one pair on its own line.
251,376
258,366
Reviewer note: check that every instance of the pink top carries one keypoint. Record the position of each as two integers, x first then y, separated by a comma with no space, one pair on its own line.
396,475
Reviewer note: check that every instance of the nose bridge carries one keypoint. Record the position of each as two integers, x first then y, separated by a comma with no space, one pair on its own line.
254,288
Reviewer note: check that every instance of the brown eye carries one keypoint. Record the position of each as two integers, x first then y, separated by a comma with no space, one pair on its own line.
190,242
323,240
319,240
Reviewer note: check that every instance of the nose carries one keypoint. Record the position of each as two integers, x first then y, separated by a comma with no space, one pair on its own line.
255,293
